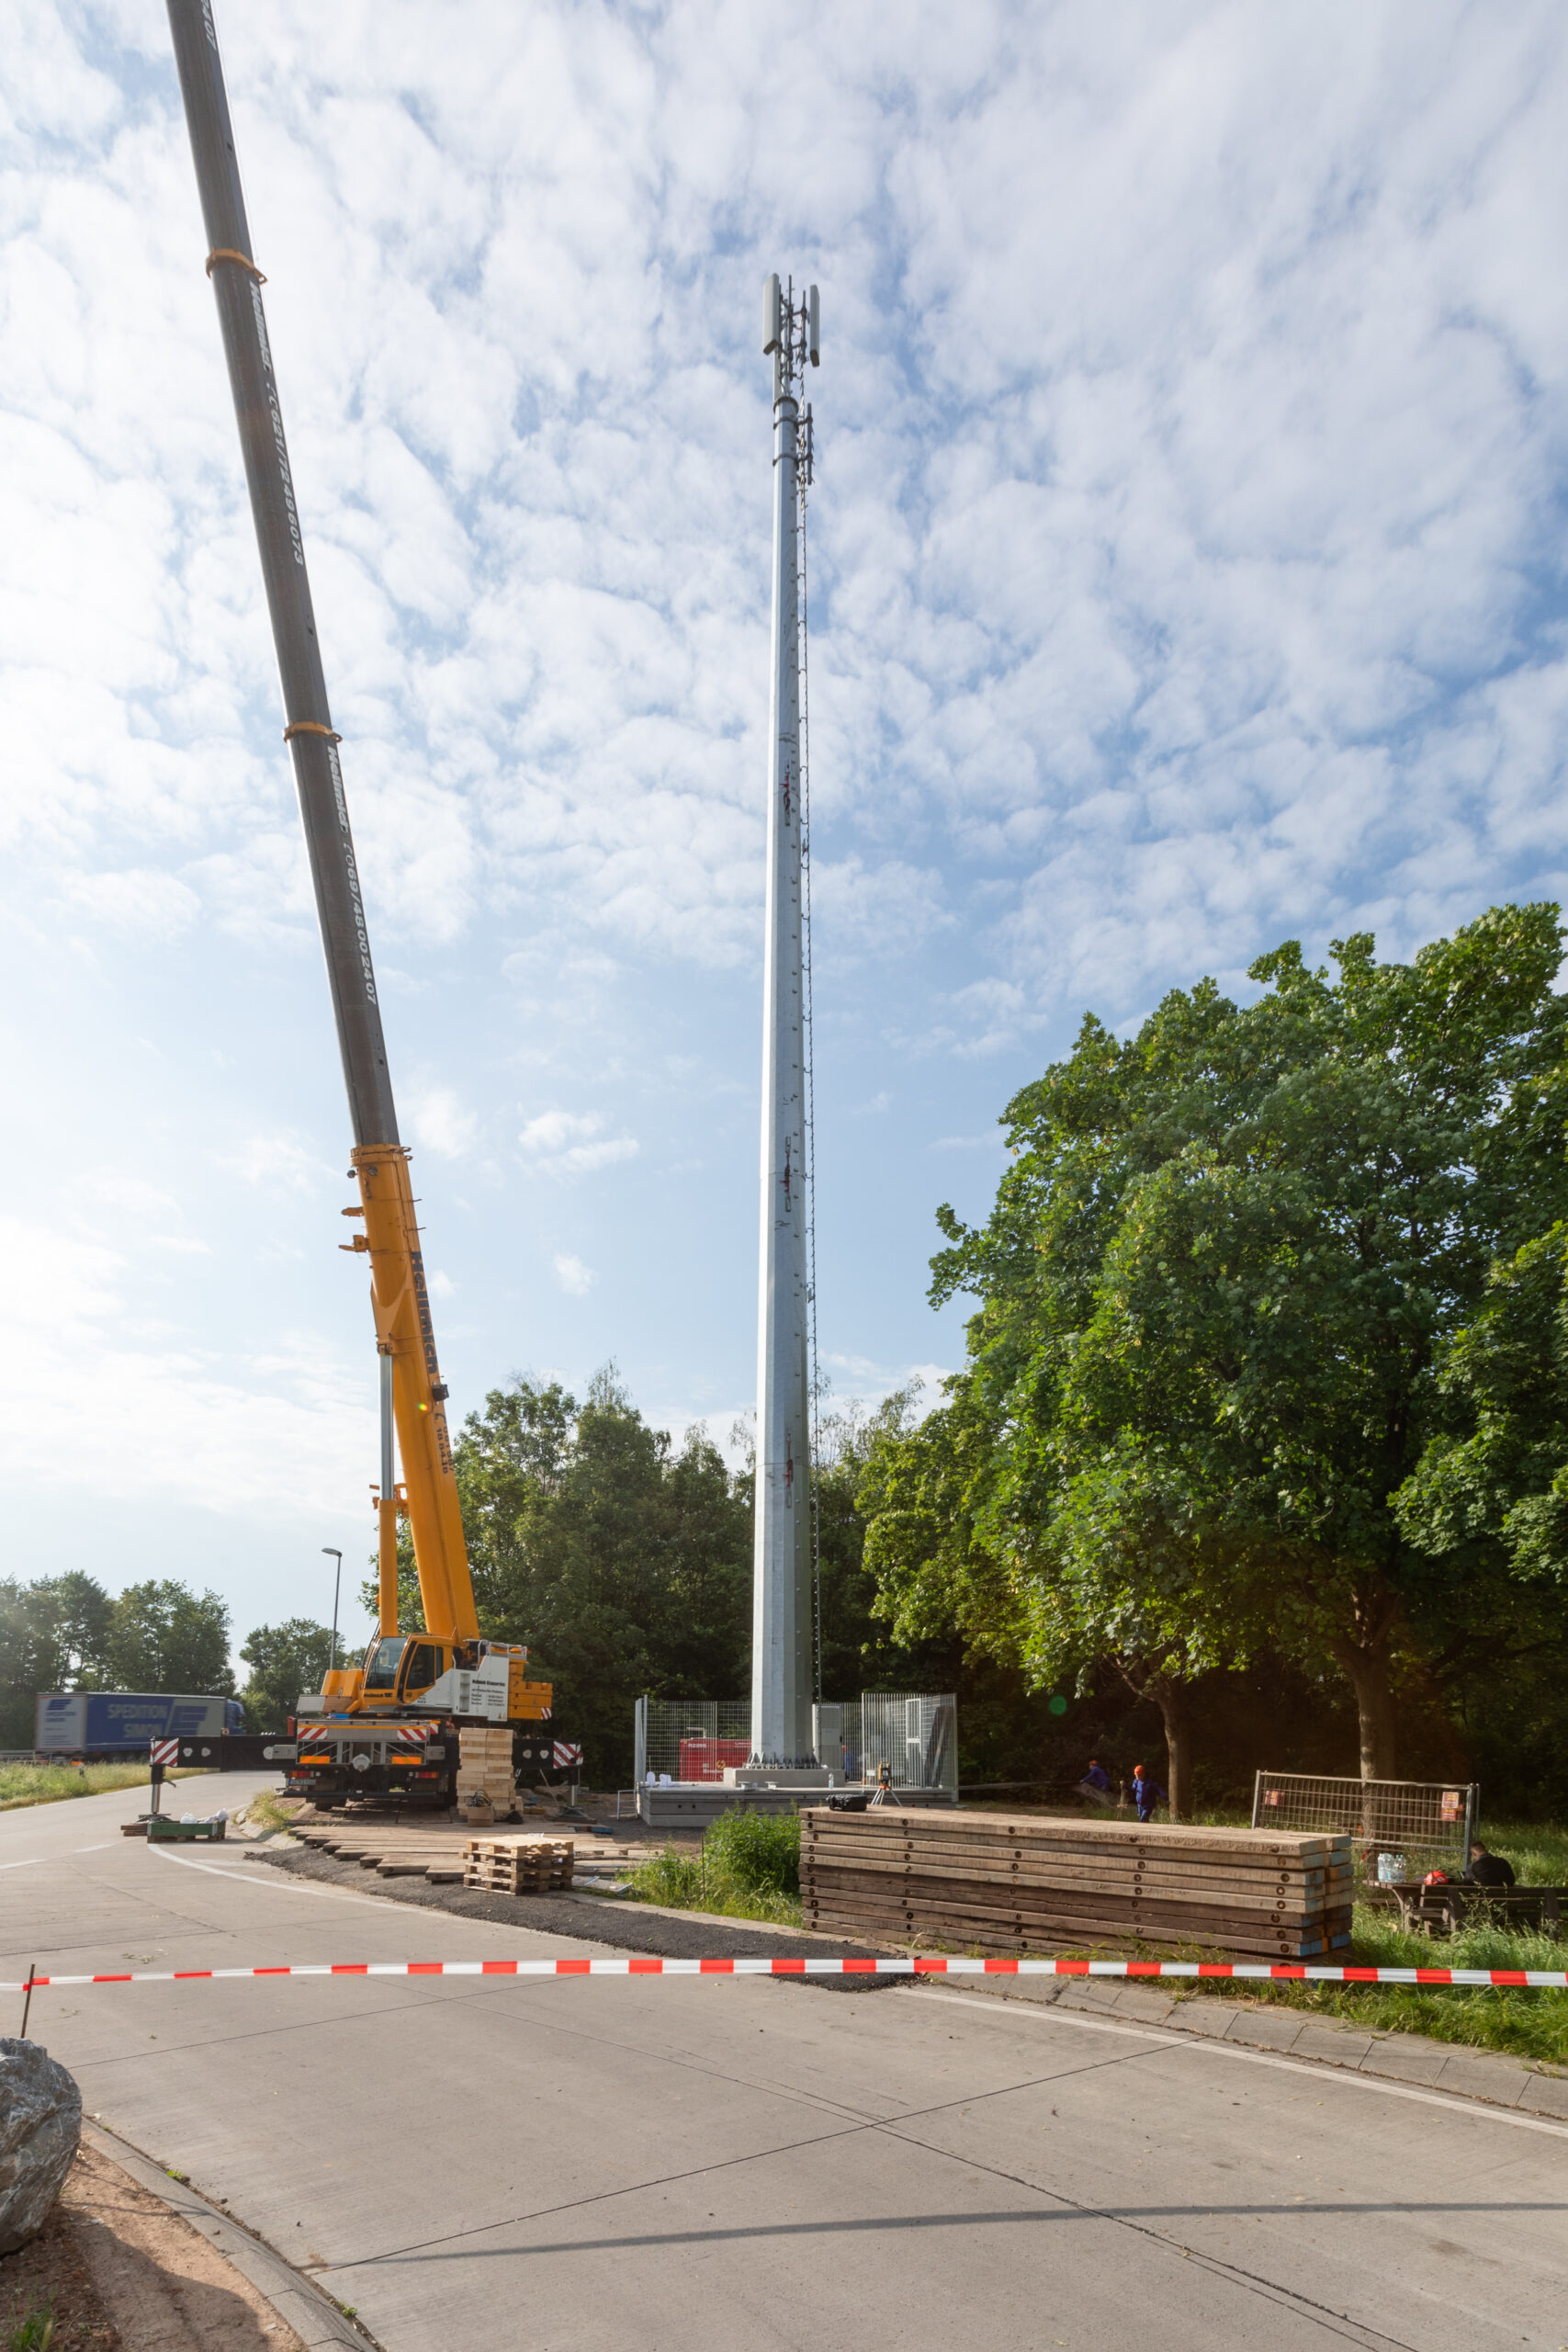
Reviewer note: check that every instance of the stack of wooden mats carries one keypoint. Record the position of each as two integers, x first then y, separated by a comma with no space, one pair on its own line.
1023,1882
484,1766
517,1865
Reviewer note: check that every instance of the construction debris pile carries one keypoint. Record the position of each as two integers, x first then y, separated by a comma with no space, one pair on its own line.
987,1883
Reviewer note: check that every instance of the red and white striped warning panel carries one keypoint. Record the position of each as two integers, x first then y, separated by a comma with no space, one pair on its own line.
567,1751
922,1964
165,1751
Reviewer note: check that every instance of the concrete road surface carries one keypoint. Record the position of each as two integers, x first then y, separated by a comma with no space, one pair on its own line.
742,2165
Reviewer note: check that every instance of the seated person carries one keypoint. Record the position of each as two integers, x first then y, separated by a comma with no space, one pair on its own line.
1488,1870
1096,1782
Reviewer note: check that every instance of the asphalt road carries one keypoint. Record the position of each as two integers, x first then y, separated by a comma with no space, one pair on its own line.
477,2162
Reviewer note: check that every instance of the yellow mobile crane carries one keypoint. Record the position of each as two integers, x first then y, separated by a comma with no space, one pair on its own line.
393,1722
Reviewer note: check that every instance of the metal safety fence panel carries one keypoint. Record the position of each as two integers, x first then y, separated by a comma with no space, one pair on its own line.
914,1732
1430,1823
691,1739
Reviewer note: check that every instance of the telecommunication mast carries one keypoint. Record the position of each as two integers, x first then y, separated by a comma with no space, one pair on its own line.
783,1566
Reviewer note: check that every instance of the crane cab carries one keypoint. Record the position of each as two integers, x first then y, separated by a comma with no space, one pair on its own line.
401,1668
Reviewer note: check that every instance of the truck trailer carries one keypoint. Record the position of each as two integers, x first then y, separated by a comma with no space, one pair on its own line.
109,1726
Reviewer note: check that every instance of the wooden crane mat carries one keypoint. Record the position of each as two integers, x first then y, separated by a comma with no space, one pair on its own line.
452,1856
1011,1884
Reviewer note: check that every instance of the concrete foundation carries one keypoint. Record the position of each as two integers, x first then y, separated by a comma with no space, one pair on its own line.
691,1804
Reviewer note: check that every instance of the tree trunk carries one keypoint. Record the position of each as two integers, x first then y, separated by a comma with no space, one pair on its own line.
1172,1694
1174,1700
1367,1667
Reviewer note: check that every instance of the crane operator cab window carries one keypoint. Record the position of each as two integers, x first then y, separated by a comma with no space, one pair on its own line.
421,1666
381,1663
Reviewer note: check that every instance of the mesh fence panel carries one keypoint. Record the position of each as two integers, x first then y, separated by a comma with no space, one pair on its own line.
693,1739
915,1734
1430,1822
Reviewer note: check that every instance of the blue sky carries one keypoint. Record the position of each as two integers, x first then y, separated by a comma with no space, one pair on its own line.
1187,574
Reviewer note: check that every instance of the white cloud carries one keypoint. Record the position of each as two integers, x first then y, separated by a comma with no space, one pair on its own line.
565,1143
1183,564
279,1161
576,1279
440,1122
168,1417
141,902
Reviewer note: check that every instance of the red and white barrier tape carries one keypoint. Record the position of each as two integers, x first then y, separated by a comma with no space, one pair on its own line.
922,1964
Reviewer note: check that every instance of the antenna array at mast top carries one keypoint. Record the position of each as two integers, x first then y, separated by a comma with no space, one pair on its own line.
792,331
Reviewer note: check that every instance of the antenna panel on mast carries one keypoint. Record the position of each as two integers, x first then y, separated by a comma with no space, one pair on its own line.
814,328
771,313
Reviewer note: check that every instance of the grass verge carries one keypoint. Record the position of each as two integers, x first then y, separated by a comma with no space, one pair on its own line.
748,1867
267,1810
47,1784
1526,2024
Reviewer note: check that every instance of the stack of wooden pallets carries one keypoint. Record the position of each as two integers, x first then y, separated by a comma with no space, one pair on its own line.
1021,1883
484,1766
518,1865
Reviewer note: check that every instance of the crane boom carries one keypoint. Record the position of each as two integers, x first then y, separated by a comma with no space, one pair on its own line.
398,1291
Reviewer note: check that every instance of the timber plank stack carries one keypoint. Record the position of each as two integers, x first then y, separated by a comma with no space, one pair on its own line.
484,1767
518,1865
994,1883
441,1853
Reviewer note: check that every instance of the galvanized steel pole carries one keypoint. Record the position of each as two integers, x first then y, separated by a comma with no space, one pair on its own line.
780,1614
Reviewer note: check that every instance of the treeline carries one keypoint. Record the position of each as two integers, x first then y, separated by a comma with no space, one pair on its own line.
1260,1450
66,1634
1268,1384
625,1560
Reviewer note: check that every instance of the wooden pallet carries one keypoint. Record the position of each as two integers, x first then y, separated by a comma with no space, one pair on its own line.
518,1866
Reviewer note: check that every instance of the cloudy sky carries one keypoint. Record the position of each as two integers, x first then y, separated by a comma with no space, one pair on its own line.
1187,574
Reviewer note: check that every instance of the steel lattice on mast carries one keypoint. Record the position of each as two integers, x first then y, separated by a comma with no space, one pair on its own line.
782,1632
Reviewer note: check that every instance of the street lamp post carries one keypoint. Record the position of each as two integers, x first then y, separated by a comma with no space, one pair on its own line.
330,1552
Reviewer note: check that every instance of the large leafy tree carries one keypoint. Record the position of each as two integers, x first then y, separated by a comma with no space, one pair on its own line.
162,1636
53,1636
284,1661
1215,1292
1494,1485
623,1561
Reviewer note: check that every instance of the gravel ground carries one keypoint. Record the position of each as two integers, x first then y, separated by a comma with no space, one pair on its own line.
624,1927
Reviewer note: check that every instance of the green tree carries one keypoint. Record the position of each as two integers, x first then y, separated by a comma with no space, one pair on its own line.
1215,1290
622,1562
284,1661
411,1603
162,1636
862,1648
1494,1485
53,1636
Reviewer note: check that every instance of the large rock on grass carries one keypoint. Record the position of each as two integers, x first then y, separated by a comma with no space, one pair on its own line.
40,2123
